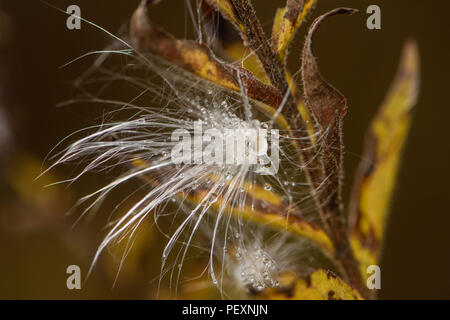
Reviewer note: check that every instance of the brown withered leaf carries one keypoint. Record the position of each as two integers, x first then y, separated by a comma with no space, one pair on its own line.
196,58
324,100
328,107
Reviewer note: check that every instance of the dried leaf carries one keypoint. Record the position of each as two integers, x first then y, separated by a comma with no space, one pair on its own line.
266,209
324,100
328,107
319,285
287,21
376,176
196,58
262,206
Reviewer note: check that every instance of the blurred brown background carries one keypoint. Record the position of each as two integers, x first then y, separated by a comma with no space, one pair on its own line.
36,242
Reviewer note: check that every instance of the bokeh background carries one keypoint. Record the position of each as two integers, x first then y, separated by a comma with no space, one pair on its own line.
37,242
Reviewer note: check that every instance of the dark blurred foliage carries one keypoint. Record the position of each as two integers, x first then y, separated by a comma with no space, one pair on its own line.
37,241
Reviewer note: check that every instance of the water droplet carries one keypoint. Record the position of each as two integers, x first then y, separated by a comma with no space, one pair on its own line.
267,187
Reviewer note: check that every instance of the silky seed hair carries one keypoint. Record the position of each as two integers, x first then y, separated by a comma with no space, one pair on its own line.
134,138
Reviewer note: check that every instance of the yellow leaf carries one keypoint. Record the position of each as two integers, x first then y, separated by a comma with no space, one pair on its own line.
301,107
236,51
226,8
287,21
377,173
319,285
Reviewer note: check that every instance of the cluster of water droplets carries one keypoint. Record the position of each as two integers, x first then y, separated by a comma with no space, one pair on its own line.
257,270
224,115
